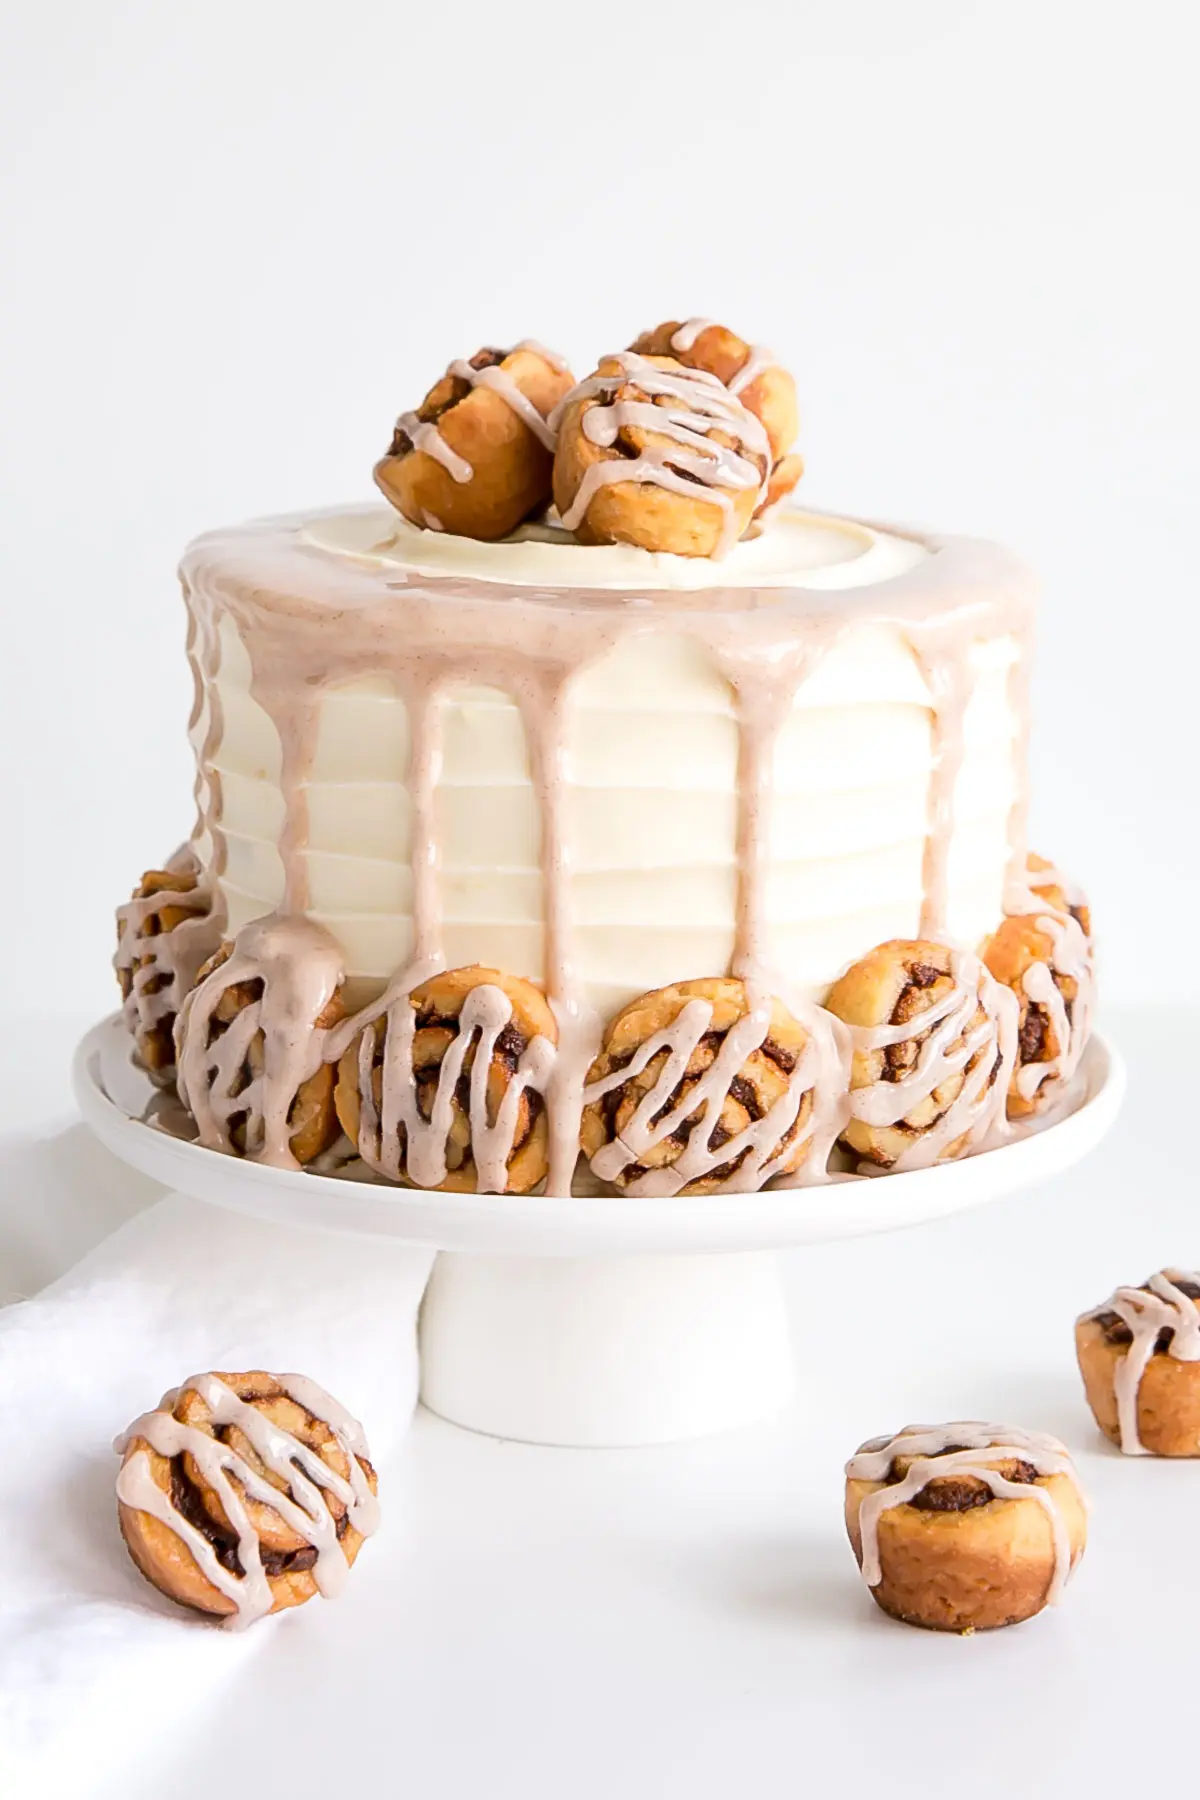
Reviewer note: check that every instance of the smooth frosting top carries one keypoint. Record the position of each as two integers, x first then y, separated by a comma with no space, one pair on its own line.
793,549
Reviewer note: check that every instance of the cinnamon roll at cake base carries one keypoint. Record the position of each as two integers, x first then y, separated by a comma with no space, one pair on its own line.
965,1527
708,1087
1139,1355
245,1494
250,1041
1043,953
165,933
445,1086
475,457
657,455
751,372
934,1040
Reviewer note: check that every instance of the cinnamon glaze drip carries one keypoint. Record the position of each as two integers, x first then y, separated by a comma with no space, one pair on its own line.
930,1467
233,1559
1160,1318
311,621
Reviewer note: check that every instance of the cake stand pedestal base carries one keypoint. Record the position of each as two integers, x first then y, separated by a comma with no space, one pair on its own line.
605,1350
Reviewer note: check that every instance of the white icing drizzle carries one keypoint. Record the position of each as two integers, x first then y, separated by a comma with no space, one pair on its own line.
300,967
425,435
162,966
697,406
1070,959
758,357
965,1448
1160,1306
821,1071
396,1138
953,1044
302,1507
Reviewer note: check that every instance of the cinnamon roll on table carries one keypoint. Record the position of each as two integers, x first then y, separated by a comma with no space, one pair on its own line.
1139,1355
964,1527
245,1494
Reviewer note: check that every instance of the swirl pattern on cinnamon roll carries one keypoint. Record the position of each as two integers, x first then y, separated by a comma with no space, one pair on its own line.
165,932
243,1494
250,1043
967,1526
1139,1355
712,1086
444,1087
751,372
934,1042
658,455
1043,952
475,457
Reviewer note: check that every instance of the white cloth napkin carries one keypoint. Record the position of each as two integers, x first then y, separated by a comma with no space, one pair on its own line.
91,1658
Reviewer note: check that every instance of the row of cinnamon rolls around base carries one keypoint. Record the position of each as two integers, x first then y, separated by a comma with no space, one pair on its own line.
920,1053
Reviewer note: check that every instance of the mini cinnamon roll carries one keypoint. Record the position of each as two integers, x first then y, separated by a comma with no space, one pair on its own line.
1139,1355
444,1087
657,455
164,933
965,1527
750,371
250,1042
934,1040
475,457
706,1087
1046,963
1048,888
241,1495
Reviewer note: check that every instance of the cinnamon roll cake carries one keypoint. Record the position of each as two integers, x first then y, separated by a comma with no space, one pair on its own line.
659,741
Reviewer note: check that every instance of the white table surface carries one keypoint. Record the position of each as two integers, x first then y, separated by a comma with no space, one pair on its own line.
550,1623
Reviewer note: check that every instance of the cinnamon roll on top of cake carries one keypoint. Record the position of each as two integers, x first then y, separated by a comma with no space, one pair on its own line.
657,455
1043,952
251,1042
751,372
444,1087
712,1086
934,1039
165,933
243,1494
475,457
1139,1355
965,1527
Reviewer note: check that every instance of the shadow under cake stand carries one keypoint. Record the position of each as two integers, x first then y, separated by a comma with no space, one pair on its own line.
595,1319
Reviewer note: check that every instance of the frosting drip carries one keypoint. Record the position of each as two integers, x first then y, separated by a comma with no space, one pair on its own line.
966,1448
297,967
954,1043
697,406
1161,1306
301,1504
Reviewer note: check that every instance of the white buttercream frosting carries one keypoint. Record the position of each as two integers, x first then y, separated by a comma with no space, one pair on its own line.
794,549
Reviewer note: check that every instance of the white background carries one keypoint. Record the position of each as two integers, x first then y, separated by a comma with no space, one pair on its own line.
241,236
238,237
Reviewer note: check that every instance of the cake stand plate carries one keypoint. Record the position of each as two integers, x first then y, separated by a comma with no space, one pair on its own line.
593,1319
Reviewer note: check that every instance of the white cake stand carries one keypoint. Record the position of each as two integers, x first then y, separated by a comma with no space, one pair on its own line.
594,1319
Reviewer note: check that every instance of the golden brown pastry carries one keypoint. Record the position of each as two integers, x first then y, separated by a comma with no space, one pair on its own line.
751,372
475,458
1049,885
964,1527
934,1040
695,1091
241,1495
657,455
415,1097
1139,1355
1049,971
262,1007
164,933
